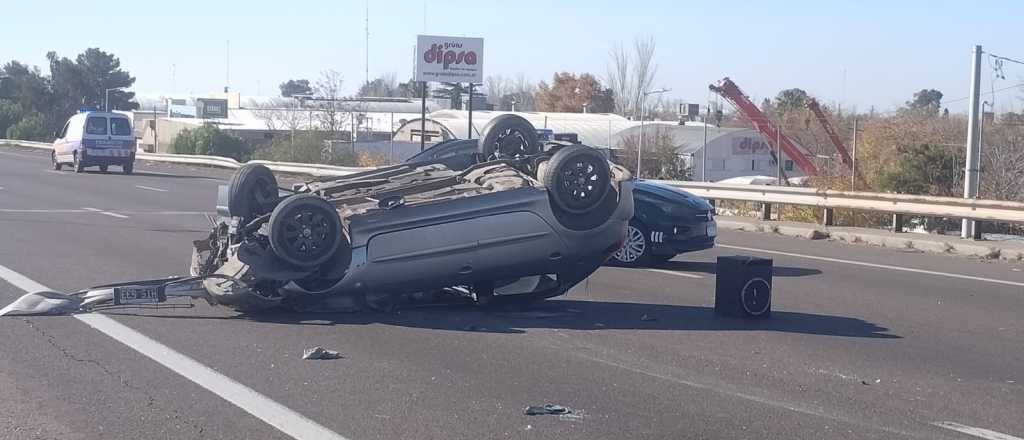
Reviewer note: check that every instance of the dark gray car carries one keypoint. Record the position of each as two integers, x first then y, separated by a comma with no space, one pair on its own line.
528,222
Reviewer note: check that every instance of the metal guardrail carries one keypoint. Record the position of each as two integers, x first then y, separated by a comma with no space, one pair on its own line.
977,209
897,204
221,162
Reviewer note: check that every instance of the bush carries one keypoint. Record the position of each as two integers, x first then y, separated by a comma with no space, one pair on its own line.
211,141
305,148
29,128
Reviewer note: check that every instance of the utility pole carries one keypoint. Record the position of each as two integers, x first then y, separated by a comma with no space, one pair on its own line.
470,106
853,174
367,41
704,149
778,156
968,228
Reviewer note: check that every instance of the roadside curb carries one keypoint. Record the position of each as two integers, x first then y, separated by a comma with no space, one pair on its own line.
992,250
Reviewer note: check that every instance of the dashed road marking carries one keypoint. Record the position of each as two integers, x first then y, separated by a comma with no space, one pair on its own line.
111,214
150,188
977,432
877,266
262,407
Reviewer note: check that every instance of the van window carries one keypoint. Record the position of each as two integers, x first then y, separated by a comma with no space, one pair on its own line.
120,127
64,132
96,125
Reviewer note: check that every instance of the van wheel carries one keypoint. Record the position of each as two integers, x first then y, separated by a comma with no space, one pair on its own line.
56,164
78,164
125,169
103,168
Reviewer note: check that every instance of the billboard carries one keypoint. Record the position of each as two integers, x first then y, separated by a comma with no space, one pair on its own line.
208,108
449,59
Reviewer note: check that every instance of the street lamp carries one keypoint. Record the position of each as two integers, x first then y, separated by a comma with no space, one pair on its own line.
106,97
640,147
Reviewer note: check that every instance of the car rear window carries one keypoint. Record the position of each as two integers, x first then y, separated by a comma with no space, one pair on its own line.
120,127
96,125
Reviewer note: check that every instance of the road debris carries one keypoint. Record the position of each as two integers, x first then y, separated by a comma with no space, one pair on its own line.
43,303
548,409
320,353
647,317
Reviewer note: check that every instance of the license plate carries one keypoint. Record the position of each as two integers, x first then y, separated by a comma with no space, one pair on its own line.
138,295
712,230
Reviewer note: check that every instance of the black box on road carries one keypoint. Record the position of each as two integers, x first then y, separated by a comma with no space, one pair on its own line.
743,286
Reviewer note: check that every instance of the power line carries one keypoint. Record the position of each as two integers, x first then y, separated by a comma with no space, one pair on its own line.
1005,58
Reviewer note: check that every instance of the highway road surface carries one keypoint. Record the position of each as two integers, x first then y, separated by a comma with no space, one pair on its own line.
863,342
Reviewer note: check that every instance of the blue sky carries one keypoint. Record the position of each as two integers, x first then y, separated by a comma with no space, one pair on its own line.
887,49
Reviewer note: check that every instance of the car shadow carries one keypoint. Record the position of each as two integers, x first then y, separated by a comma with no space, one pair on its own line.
586,315
709,267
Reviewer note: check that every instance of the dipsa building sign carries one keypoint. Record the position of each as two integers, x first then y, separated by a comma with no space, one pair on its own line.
449,59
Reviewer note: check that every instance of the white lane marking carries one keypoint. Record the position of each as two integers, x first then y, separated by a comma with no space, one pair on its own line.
877,266
672,272
43,211
1,188
977,432
150,188
275,414
100,211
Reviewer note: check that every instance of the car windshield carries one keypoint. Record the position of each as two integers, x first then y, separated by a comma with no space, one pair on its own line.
532,219
96,125
120,127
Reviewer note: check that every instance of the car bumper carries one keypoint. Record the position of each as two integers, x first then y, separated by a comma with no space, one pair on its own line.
108,156
674,239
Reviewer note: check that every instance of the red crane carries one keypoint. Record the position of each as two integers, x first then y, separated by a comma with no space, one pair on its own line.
812,104
730,91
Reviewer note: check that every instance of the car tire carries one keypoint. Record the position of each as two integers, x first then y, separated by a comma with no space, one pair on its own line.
636,248
56,164
508,137
103,168
577,179
306,231
127,168
252,191
78,164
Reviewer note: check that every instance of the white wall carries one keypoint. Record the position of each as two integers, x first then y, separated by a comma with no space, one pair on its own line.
741,153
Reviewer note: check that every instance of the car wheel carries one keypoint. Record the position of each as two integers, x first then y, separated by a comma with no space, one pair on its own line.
127,168
577,178
305,231
636,249
56,164
78,164
252,191
103,168
508,137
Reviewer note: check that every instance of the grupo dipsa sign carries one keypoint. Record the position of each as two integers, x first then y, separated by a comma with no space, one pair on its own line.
449,59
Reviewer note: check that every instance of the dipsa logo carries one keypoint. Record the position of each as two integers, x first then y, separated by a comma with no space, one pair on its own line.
449,54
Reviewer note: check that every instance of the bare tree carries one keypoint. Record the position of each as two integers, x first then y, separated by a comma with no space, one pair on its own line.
631,76
644,69
495,87
328,92
619,80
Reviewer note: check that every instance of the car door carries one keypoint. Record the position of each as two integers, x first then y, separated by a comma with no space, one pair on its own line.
60,144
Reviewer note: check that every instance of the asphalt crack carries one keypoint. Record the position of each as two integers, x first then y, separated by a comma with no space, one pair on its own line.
151,401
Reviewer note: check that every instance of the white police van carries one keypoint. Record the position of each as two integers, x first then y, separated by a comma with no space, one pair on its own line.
93,138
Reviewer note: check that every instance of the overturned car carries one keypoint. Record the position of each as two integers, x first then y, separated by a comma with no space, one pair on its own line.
527,221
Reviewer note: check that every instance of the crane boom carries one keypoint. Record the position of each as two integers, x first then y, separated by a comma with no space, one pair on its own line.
730,91
812,104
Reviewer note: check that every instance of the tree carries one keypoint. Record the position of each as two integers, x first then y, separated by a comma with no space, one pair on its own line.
926,169
385,86
790,100
294,87
570,93
661,159
518,96
30,128
630,77
328,90
452,92
26,88
926,102
410,89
